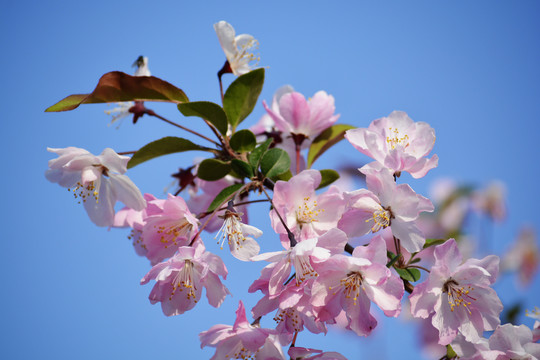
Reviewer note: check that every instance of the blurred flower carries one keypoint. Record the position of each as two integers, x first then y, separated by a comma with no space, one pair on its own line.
300,353
523,256
514,342
238,49
126,108
141,66
397,143
98,181
536,327
491,201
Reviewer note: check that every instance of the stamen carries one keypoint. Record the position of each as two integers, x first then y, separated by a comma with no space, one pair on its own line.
307,212
352,285
394,140
171,233
85,192
291,317
381,219
458,295
184,281
231,230
303,268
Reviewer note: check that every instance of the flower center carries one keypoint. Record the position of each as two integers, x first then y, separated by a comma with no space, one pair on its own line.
245,53
290,319
308,211
184,281
170,234
457,295
84,192
381,219
136,237
352,284
231,230
395,139
303,268
240,352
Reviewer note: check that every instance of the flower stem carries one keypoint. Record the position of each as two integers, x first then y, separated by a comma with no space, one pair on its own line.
418,267
152,113
214,214
204,214
292,240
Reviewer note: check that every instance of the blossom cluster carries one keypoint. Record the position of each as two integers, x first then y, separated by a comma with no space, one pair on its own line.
316,277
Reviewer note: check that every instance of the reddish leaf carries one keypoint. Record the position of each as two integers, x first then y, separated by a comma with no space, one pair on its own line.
117,86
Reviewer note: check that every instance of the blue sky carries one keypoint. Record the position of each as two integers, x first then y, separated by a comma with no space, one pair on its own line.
469,69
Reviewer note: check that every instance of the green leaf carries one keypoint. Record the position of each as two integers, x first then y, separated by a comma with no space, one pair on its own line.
284,177
242,168
409,274
163,146
206,110
254,157
327,177
275,162
433,242
392,261
241,96
213,169
223,196
243,141
450,353
117,86
325,141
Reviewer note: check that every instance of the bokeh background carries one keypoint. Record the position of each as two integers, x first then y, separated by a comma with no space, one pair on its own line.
71,290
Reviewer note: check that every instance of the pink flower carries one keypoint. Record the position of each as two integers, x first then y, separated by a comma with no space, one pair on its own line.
168,227
136,219
491,201
306,214
385,204
302,257
179,280
242,340
98,181
398,143
202,195
459,295
300,353
515,342
523,256
293,304
536,327
508,342
300,117
350,283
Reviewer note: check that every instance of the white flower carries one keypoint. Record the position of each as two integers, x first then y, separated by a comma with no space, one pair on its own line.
120,112
98,181
122,109
142,66
238,49
236,233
